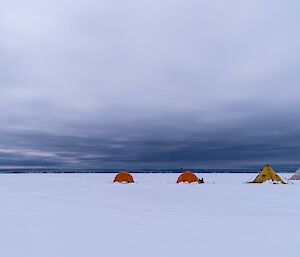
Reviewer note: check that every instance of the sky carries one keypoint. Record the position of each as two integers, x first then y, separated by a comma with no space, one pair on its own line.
149,84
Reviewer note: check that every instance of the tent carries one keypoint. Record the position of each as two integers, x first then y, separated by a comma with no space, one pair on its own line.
296,175
124,177
267,173
188,176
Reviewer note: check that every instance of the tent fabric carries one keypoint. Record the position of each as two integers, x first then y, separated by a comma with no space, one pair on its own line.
267,173
296,175
188,176
124,177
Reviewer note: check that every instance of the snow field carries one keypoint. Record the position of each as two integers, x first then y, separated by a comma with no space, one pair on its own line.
85,215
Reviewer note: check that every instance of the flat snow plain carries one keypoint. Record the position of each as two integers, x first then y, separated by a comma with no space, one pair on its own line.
85,215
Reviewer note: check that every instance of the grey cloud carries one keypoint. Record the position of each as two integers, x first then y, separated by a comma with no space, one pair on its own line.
152,83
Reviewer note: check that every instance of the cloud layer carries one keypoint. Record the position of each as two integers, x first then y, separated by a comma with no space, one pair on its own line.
149,84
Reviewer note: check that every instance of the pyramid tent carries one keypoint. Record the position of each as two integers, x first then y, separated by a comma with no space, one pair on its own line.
267,173
296,175
188,176
124,177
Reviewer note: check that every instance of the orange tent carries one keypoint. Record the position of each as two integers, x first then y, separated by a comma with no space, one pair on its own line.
124,177
188,176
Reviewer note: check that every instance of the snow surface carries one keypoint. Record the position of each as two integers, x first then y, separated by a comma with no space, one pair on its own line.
85,215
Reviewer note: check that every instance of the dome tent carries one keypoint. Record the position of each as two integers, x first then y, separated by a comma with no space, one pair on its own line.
267,173
189,177
124,177
296,175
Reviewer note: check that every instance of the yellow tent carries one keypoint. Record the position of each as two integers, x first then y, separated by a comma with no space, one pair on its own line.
267,173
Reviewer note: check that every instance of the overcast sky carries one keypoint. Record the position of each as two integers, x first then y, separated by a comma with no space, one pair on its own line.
152,83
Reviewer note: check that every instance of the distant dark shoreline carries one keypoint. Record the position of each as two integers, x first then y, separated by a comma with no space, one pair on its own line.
74,171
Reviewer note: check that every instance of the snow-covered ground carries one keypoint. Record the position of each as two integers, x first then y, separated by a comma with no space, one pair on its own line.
85,215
